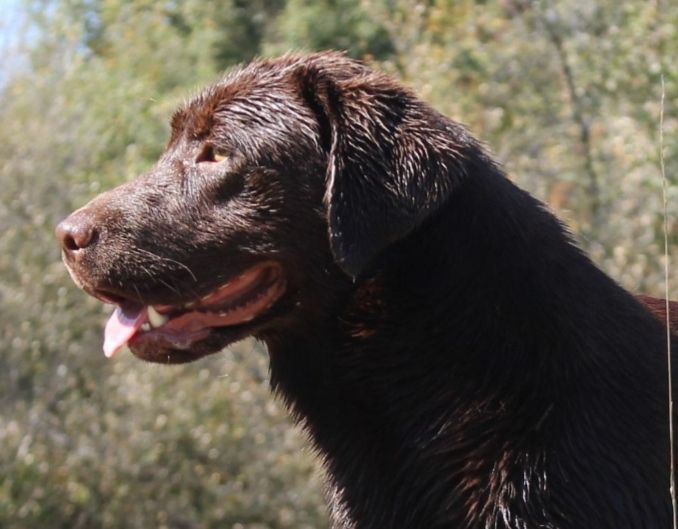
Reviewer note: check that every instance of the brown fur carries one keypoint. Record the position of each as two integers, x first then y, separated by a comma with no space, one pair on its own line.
457,360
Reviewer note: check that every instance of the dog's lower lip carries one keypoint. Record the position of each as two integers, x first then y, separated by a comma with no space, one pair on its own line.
237,309
236,303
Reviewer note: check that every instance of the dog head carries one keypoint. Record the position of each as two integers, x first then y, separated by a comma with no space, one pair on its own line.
280,185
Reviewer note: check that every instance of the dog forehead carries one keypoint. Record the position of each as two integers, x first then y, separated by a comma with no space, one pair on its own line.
259,84
243,95
195,118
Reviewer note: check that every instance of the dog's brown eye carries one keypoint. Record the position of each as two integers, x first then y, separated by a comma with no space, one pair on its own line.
210,154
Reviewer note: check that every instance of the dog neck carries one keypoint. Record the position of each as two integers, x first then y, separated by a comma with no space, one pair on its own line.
429,385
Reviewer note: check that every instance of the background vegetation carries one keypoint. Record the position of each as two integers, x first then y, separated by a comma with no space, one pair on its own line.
565,92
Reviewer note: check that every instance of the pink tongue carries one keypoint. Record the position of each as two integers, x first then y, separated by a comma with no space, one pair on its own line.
121,326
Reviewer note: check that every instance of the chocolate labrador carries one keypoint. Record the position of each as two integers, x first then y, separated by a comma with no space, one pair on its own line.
458,361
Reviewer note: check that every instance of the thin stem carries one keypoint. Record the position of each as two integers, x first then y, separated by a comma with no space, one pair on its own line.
666,298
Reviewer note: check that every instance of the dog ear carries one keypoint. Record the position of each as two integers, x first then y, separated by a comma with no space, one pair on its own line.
392,160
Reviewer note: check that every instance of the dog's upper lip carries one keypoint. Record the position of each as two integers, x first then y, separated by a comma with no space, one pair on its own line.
238,301
106,296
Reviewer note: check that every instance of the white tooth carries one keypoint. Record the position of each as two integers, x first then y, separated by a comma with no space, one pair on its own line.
145,326
155,318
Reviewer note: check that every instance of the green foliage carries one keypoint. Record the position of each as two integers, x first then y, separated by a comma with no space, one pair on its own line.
565,92
567,95
329,24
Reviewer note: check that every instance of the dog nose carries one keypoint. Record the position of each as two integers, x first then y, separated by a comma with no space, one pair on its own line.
76,232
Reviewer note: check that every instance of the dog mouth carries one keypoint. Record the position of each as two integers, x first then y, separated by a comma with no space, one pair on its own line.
241,301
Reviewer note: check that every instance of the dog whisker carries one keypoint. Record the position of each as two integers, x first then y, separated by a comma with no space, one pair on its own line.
168,259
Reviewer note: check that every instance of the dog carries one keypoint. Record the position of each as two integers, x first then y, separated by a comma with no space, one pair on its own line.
457,360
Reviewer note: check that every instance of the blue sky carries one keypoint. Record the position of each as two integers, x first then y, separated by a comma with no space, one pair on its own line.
11,22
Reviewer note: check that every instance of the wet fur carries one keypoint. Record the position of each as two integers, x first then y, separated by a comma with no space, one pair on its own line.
458,361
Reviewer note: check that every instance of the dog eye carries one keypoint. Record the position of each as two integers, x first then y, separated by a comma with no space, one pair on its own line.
210,154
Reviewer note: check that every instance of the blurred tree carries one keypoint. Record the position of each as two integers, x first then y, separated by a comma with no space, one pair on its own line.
567,94
329,24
